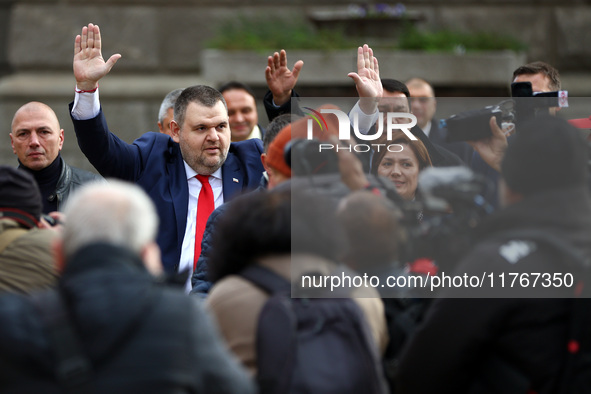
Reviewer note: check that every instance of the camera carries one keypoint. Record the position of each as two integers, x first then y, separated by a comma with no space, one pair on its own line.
474,124
527,108
525,105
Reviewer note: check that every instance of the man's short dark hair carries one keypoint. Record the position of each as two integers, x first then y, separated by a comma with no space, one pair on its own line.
540,68
200,94
395,86
235,85
275,127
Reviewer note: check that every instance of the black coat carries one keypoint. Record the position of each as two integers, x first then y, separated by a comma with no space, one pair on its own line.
141,337
460,338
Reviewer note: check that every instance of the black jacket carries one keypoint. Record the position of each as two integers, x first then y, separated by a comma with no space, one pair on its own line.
141,337
70,179
460,338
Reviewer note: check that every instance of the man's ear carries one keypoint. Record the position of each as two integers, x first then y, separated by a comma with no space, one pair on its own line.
175,130
12,143
61,138
264,161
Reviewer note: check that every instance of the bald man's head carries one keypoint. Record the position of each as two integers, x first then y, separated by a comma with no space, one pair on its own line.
36,136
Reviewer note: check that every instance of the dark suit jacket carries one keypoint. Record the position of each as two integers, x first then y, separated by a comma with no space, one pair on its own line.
440,156
273,111
155,163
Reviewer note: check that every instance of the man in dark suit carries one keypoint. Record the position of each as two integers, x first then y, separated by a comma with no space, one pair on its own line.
423,107
173,171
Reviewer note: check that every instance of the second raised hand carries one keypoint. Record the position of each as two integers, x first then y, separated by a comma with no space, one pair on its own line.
280,79
367,79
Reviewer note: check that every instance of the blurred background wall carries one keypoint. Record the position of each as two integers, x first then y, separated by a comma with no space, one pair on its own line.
163,44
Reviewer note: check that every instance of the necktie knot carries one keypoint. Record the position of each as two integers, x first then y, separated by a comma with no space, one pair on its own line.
204,179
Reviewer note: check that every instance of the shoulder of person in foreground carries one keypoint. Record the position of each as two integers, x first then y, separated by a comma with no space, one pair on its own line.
218,369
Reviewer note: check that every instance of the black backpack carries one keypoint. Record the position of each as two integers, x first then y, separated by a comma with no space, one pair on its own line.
576,373
312,345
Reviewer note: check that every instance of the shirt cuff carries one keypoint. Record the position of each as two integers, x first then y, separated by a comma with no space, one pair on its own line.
86,105
365,121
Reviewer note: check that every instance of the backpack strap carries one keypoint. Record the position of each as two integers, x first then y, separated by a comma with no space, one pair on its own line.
8,236
278,324
73,369
266,279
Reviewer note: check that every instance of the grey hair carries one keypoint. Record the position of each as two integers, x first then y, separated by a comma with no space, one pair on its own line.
117,212
168,102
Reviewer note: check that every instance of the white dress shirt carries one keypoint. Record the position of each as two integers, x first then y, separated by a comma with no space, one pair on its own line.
365,121
86,105
427,129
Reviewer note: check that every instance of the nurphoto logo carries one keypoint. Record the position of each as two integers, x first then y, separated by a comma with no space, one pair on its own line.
392,124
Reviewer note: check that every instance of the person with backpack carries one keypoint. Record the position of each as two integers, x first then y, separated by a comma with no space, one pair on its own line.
517,341
296,345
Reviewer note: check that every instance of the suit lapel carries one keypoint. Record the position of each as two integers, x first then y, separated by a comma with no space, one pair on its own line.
179,192
232,178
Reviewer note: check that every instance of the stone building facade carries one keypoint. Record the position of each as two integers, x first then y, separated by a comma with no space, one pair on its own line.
163,42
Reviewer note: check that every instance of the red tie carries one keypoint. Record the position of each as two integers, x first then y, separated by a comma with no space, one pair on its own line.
205,207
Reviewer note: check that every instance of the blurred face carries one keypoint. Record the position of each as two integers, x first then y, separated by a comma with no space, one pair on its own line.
423,104
393,102
204,137
539,82
242,112
36,136
164,126
402,168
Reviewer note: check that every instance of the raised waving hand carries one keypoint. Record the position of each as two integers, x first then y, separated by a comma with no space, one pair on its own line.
280,79
367,79
89,65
